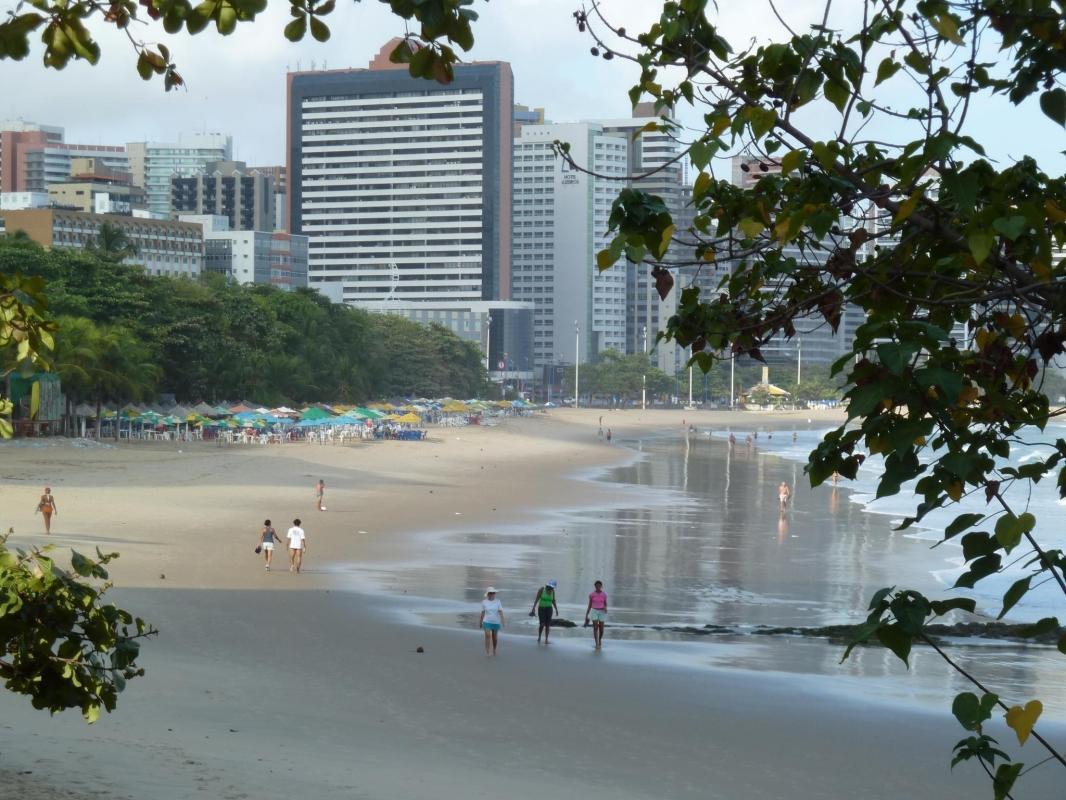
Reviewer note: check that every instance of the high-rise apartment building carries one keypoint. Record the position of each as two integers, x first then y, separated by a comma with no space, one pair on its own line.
559,224
154,163
656,166
229,189
403,185
33,157
279,175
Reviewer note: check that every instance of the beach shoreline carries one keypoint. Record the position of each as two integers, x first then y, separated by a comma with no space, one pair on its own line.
261,685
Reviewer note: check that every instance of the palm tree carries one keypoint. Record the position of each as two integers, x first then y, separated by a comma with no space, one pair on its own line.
103,362
111,243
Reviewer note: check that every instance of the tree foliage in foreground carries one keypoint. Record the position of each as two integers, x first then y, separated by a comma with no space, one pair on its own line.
868,188
215,340
61,645
65,30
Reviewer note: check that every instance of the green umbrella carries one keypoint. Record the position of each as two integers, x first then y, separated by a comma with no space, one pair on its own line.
314,412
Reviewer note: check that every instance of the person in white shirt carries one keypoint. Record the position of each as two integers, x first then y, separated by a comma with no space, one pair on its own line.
491,620
297,546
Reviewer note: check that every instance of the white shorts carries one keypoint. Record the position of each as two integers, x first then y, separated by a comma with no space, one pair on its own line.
268,545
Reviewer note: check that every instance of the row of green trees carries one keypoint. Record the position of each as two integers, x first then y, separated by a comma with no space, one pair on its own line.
125,335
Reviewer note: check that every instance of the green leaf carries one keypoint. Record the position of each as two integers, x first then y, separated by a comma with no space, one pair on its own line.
886,69
972,712
1053,104
792,161
1009,529
1011,227
942,607
980,243
961,523
946,26
319,30
296,29
977,543
1015,593
836,93
897,640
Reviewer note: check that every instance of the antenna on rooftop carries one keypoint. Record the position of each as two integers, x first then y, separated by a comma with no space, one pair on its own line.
312,65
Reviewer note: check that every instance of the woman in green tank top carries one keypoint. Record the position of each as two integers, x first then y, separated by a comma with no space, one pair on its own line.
543,605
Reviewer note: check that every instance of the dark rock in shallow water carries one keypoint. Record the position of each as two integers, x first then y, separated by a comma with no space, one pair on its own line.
559,622
844,633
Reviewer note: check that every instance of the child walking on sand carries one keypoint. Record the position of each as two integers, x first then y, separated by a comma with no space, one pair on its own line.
491,620
597,610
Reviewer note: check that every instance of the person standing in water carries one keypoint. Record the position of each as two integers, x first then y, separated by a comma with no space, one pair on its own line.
297,546
267,537
597,610
491,620
47,506
320,494
543,605
608,436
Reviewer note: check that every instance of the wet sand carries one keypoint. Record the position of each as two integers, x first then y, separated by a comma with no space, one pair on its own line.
269,685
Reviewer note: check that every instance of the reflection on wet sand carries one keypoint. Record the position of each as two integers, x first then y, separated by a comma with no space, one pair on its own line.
720,552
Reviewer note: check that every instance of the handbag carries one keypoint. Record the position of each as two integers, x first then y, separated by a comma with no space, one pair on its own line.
258,549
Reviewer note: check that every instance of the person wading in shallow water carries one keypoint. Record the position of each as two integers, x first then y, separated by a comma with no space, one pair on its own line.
543,605
320,494
47,506
784,494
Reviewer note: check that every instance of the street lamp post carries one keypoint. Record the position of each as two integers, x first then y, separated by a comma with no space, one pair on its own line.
644,377
488,342
577,364
732,381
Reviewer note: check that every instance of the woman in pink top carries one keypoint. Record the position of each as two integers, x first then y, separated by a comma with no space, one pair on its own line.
597,609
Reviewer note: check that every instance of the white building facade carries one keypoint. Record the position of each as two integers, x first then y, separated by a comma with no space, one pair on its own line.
560,221
402,185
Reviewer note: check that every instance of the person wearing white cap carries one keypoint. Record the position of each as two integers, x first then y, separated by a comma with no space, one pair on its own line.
543,604
491,620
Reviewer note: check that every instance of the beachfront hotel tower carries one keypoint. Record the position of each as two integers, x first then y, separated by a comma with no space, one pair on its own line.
403,185
560,223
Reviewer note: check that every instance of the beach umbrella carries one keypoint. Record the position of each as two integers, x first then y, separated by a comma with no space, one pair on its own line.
314,412
172,420
410,418
221,411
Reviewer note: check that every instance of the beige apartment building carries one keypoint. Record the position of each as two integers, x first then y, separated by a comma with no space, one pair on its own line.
163,247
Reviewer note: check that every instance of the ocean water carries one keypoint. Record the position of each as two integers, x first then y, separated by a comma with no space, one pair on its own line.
946,564
692,536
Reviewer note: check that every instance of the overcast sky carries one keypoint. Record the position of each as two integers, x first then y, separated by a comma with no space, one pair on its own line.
236,84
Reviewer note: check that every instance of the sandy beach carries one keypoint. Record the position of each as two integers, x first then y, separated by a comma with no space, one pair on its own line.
269,685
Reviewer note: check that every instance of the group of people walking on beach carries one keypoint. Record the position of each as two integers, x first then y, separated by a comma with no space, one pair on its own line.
544,607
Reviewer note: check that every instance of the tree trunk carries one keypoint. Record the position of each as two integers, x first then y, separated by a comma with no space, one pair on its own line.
99,411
